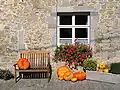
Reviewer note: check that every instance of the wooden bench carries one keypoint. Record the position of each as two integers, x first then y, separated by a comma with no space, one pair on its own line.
39,63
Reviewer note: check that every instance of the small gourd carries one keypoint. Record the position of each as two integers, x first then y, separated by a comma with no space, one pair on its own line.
102,65
74,79
60,78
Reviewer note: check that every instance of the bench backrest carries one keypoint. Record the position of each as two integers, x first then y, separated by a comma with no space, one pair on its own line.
36,58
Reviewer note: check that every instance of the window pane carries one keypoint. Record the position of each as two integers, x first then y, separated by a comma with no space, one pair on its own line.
81,19
65,20
82,41
65,32
66,41
81,32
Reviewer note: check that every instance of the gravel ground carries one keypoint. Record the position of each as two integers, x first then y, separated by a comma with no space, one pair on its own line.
55,84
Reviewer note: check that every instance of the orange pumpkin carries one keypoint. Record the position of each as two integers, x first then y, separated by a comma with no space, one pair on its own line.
68,75
61,70
80,75
100,70
76,74
74,79
83,74
23,63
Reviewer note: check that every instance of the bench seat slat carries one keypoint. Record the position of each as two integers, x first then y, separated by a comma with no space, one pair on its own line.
34,70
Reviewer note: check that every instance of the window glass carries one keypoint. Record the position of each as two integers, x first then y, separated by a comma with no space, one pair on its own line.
65,20
65,32
81,20
81,32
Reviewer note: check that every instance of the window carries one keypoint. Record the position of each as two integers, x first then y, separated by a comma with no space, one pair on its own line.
73,25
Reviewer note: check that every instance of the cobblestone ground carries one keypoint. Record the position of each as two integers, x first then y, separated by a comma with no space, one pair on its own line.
55,84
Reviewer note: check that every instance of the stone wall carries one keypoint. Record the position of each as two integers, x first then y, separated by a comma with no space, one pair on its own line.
24,24
105,36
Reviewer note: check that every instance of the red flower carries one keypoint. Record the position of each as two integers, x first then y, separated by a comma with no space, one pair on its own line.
83,55
58,55
91,52
76,58
62,54
65,47
69,54
81,60
78,53
69,51
72,49
66,50
65,59
75,39
71,57
74,63
70,64
88,46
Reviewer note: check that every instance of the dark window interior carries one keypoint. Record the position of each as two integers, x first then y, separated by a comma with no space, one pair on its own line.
81,32
65,20
81,20
65,32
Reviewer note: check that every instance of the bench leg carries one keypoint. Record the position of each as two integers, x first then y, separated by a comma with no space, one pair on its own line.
15,77
49,75
20,75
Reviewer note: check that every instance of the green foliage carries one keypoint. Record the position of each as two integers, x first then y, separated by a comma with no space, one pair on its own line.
6,74
115,68
90,64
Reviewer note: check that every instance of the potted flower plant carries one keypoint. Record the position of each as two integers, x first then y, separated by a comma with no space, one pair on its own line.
73,54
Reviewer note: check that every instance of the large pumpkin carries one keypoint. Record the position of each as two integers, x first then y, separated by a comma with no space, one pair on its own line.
80,75
61,70
23,63
68,75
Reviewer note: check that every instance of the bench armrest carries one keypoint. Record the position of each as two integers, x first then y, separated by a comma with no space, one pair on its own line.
15,66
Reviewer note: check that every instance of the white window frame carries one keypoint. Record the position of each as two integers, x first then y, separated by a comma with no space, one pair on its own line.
73,26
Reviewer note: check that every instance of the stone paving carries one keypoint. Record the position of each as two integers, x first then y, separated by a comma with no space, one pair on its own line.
55,84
